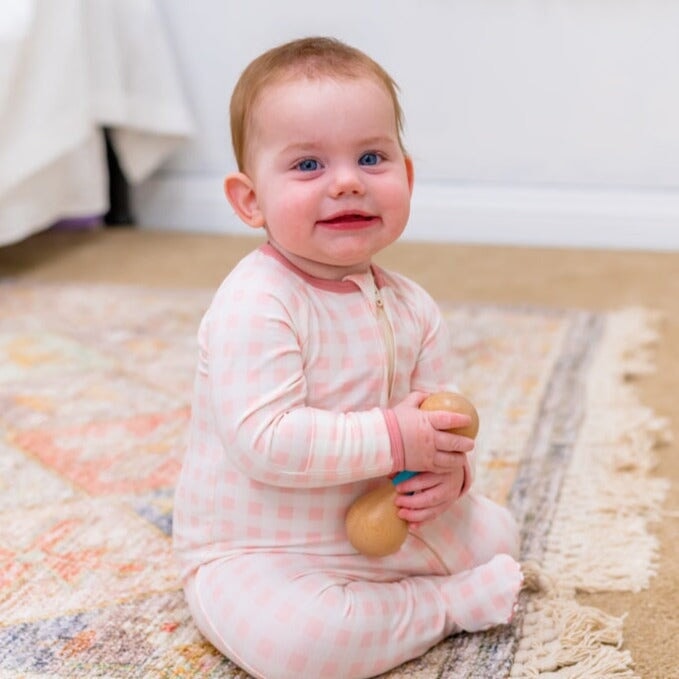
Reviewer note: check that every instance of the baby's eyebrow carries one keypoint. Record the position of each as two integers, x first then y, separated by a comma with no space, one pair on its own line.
378,141
302,147
313,146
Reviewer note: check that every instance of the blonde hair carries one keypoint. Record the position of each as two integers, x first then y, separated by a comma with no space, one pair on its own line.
308,57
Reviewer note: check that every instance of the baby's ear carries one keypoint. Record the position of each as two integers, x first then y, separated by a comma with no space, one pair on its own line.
410,172
240,192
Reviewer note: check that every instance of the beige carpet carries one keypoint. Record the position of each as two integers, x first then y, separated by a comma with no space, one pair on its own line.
556,278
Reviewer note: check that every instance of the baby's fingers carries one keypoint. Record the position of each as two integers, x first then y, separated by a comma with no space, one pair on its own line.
447,442
445,421
446,462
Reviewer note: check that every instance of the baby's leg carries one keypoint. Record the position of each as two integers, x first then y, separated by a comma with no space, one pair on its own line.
288,616
470,533
480,540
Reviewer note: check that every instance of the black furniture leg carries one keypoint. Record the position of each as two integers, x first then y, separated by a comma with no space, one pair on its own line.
120,210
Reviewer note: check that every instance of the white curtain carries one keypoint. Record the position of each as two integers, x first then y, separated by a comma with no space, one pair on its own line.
68,68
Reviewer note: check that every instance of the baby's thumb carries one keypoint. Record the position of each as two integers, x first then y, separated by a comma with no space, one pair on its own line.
414,399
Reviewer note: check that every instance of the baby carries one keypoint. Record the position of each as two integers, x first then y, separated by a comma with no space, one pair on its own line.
313,362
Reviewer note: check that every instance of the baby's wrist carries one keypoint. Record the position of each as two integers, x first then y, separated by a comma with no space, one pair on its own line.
396,441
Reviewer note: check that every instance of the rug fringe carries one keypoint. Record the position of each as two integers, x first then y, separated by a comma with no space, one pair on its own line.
600,539
564,640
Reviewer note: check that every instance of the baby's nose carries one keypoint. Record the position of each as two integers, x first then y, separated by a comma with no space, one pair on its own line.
347,181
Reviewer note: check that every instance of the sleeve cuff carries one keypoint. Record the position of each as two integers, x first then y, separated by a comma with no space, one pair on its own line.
396,441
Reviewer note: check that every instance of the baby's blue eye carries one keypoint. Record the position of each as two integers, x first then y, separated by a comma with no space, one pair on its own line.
308,165
369,159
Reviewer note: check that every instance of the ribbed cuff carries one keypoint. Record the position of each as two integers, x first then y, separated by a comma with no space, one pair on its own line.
397,449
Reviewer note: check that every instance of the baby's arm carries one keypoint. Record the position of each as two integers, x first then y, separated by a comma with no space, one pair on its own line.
255,366
433,373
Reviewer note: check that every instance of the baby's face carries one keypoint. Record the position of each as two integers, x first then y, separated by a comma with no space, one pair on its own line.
330,177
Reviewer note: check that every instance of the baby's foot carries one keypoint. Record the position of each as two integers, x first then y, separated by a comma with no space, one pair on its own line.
485,596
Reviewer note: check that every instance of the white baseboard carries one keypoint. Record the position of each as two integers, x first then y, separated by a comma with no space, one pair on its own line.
442,212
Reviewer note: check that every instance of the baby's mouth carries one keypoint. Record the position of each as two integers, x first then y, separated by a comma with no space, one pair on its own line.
348,219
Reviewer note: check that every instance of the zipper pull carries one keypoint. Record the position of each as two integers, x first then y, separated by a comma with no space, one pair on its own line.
379,302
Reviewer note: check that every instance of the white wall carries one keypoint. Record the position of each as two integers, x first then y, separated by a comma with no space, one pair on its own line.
532,121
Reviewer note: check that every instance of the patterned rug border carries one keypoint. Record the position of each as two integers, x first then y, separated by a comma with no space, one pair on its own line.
600,541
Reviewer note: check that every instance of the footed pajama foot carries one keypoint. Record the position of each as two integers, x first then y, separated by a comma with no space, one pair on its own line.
486,595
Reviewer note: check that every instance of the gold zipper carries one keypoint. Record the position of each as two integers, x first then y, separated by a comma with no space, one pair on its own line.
388,337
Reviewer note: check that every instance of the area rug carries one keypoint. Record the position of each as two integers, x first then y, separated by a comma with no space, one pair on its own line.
94,401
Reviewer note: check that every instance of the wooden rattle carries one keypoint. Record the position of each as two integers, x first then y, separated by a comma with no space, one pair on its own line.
372,522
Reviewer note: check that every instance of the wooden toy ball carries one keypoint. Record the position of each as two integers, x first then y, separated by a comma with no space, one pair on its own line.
454,403
372,522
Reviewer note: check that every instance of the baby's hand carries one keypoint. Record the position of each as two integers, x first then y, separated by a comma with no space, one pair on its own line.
426,496
427,444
